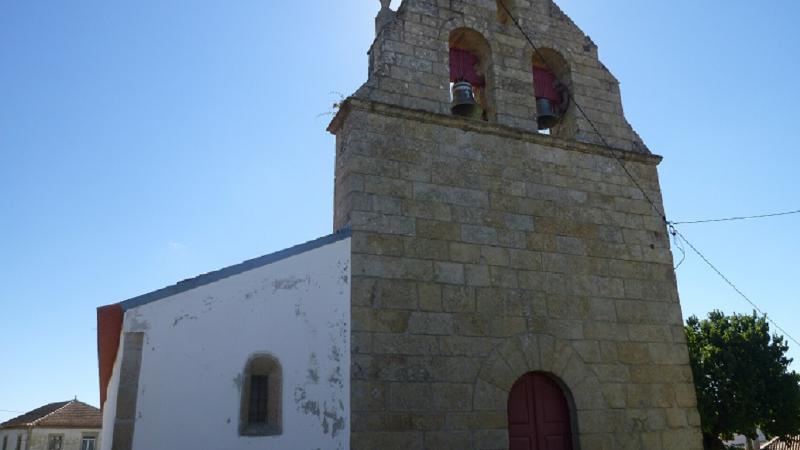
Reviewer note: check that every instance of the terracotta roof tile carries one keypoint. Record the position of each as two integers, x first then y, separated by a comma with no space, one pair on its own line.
71,414
29,417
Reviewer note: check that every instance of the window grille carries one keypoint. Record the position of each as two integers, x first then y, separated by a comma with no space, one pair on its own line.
55,442
260,408
259,398
89,443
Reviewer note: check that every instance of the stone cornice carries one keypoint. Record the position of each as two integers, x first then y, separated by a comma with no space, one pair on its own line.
386,109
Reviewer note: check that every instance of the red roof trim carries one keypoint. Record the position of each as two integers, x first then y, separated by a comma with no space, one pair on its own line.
109,328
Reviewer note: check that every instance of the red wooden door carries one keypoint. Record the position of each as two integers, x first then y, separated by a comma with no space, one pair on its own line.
538,415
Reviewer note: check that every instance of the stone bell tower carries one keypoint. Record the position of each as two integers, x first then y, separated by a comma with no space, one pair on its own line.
512,287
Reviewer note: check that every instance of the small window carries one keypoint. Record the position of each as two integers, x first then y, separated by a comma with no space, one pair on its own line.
19,442
261,407
55,442
5,442
89,443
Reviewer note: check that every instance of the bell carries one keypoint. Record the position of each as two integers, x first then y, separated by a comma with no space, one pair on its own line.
547,116
464,103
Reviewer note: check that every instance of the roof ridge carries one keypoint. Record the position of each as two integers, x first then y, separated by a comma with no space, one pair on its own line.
235,269
67,403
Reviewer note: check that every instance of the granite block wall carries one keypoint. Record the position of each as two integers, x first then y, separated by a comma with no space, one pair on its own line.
409,65
481,253
483,250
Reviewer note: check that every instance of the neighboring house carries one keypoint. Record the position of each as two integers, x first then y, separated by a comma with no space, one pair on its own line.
782,444
496,287
71,425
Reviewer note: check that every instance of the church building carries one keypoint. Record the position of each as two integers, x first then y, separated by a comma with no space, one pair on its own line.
499,275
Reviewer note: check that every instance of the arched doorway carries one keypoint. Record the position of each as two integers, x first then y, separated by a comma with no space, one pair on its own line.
538,415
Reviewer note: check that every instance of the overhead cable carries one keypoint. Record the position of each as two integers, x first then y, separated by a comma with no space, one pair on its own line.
678,244
673,230
731,219
735,288
583,113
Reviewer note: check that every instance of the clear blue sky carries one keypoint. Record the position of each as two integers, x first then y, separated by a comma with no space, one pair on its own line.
146,142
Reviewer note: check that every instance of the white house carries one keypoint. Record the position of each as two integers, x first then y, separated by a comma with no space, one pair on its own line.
256,355
71,425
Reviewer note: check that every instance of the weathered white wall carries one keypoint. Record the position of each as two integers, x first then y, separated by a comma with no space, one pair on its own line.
110,406
198,342
72,437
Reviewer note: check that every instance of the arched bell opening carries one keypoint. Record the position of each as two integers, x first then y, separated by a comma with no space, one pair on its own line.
541,414
552,86
470,75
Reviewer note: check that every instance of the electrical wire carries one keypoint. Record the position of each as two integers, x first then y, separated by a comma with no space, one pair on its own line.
673,230
735,288
583,113
678,244
731,219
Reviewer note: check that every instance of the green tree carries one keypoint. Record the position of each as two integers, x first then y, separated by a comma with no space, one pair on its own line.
742,377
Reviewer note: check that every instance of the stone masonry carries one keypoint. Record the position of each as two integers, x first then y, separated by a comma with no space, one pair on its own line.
409,65
483,250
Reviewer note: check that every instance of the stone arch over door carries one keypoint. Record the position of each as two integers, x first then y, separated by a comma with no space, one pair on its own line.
527,353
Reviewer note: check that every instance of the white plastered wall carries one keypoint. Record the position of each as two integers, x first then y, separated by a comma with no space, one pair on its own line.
198,342
110,406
